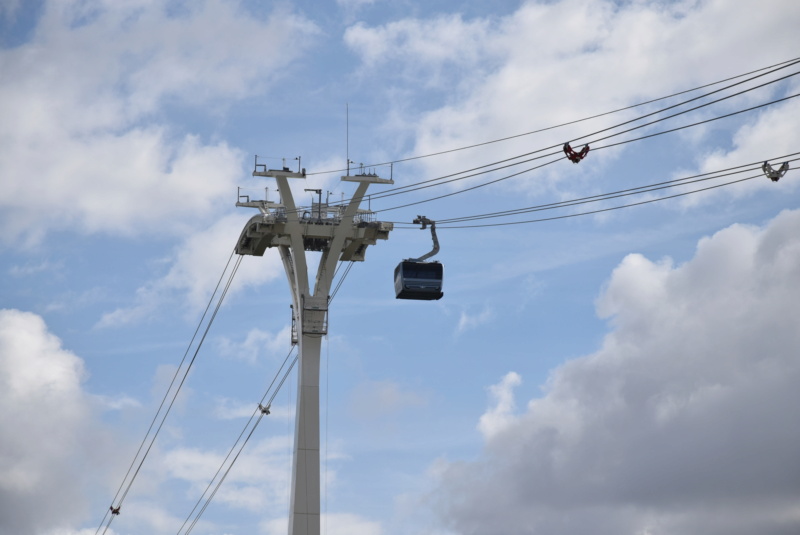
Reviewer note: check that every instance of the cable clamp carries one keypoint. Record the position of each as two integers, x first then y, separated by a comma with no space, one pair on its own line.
115,510
775,174
264,410
573,156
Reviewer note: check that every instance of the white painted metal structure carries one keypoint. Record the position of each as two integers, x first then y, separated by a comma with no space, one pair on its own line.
341,233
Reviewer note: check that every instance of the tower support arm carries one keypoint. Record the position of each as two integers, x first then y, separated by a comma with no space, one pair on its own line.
337,244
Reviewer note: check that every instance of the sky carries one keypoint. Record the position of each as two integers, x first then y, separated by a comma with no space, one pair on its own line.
626,372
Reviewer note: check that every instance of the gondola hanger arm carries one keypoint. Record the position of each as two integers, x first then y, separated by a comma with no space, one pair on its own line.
424,221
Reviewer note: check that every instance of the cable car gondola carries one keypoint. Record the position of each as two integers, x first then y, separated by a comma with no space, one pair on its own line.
419,280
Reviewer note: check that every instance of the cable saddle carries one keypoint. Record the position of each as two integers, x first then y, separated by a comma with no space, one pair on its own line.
573,156
775,174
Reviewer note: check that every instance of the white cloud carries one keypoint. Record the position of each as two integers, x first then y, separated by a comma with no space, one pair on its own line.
501,415
767,136
118,403
350,524
32,269
9,9
71,300
62,531
147,517
50,450
258,481
81,104
472,321
333,524
377,399
256,343
446,40
195,269
354,4
680,423
552,62
227,409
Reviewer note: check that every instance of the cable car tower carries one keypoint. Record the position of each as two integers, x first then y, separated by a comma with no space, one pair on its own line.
340,233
